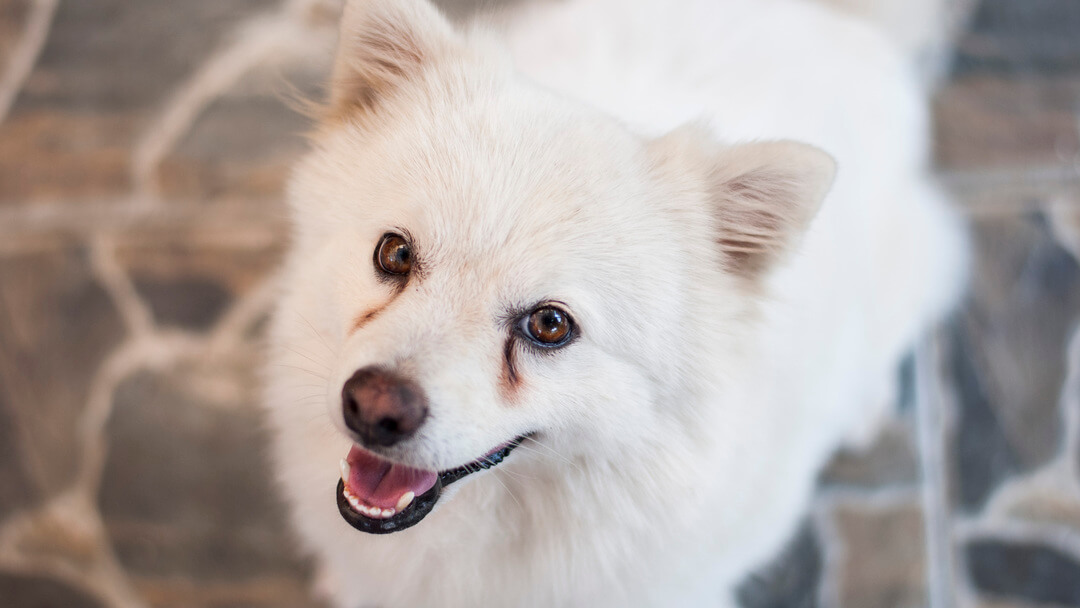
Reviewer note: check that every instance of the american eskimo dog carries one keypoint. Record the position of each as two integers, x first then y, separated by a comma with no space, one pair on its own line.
573,313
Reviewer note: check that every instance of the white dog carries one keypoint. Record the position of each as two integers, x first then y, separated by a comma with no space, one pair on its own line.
572,316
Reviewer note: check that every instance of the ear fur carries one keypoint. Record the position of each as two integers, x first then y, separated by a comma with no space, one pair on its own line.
383,44
763,194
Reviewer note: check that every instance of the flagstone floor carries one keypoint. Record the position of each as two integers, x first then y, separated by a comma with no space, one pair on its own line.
143,146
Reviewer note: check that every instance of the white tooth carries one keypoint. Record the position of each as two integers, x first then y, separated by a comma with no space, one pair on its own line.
387,512
405,500
344,470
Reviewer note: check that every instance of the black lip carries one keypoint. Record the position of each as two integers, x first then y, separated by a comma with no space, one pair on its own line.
407,518
421,505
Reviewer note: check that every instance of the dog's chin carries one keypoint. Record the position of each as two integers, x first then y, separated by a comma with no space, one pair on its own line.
378,496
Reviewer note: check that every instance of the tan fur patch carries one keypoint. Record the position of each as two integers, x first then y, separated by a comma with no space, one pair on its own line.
753,223
509,381
364,318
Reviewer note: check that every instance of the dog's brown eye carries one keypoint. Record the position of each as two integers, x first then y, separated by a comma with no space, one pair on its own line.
548,326
394,255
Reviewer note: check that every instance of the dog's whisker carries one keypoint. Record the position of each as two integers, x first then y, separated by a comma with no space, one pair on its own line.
297,351
331,351
518,474
551,451
507,488
487,460
302,369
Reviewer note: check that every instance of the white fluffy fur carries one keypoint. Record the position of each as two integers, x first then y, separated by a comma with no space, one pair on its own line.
723,354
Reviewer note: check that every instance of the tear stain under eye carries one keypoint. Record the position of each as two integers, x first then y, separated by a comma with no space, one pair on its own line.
509,382
364,318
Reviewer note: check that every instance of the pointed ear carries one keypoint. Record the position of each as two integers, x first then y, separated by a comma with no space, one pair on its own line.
383,44
763,195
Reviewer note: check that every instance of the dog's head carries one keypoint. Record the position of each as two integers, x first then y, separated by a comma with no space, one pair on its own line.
479,263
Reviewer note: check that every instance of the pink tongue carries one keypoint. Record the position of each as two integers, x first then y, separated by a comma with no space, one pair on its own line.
380,483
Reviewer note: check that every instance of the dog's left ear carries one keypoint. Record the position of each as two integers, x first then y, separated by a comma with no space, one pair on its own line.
383,44
762,195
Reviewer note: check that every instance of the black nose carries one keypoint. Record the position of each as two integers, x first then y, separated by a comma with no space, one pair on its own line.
382,407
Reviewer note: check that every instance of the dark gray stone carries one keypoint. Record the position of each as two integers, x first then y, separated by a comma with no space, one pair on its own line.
189,275
982,457
16,489
1028,572
116,55
186,490
1029,36
1008,354
243,145
905,381
190,302
56,326
104,72
20,591
791,580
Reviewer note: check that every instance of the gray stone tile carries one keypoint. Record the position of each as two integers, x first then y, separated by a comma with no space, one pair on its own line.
106,68
1064,219
980,457
12,21
883,564
1029,36
19,591
1008,354
1027,572
116,55
56,326
186,492
50,155
273,592
189,276
243,145
891,460
16,488
190,302
792,580
988,122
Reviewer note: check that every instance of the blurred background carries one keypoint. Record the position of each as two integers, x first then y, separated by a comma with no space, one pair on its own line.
143,149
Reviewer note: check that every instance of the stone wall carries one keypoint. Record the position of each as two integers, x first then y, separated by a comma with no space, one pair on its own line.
143,146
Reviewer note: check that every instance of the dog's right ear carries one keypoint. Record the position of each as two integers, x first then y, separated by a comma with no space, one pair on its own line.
762,195
383,44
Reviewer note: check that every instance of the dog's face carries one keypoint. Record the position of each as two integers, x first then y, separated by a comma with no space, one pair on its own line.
479,263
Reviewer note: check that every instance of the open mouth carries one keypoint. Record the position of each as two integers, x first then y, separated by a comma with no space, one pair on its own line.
378,496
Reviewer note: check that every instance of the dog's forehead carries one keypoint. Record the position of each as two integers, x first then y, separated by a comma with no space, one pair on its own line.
520,184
